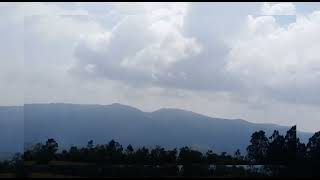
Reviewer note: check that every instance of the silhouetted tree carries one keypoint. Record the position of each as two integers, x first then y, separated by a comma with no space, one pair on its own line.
276,150
313,154
237,155
129,149
212,157
257,150
129,155
142,156
74,154
157,155
280,155
189,156
90,144
291,145
114,152
42,153
171,156
301,152
313,147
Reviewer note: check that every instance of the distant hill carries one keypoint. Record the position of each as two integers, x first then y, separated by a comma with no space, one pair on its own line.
72,124
11,130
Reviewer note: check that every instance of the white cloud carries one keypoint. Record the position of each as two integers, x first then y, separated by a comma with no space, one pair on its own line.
262,25
156,56
281,59
278,9
150,42
97,41
199,56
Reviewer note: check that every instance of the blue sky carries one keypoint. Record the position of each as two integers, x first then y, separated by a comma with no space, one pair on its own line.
255,61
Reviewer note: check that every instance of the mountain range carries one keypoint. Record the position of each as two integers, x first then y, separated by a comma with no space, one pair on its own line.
74,124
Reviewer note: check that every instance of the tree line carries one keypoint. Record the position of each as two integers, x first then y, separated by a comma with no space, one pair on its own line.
285,151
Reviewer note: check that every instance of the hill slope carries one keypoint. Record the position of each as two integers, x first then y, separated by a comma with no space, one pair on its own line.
77,124
11,130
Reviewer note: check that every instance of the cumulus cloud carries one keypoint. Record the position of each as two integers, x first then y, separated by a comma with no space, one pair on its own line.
152,44
219,59
282,62
278,9
159,44
142,46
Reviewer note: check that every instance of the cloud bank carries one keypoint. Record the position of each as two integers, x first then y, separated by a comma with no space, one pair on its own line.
221,59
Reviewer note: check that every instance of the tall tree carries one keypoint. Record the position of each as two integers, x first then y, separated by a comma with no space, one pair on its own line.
189,156
313,147
142,156
157,155
276,150
257,150
129,154
45,153
291,142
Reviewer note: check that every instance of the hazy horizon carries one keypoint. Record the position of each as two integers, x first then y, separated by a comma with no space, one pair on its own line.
254,61
161,108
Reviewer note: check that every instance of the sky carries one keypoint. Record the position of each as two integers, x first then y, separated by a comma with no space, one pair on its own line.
255,61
